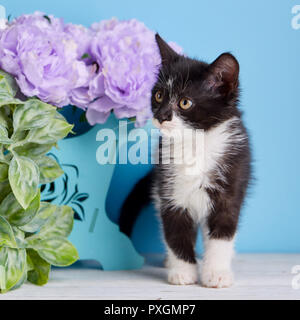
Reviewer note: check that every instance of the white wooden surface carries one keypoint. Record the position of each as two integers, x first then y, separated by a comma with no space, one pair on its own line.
258,276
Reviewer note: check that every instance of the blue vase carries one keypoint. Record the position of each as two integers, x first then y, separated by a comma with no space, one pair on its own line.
75,116
84,187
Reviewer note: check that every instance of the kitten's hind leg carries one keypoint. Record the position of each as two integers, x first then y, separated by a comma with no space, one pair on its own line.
180,235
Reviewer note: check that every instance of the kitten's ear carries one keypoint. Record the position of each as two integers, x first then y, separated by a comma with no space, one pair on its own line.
224,73
166,52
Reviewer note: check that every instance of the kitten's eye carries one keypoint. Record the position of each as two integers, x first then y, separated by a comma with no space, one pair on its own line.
158,96
185,103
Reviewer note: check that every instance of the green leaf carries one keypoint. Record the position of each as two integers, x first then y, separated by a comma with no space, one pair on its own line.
23,176
11,85
59,116
5,118
30,265
83,118
60,224
32,114
55,130
30,128
12,211
3,172
7,237
85,56
5,189
13,267
49,169
21,281
4,136
40,269
2,276
20,237
46,210
57,251
6,100
18,233
47,18
19,137
8,90
33,150
133,119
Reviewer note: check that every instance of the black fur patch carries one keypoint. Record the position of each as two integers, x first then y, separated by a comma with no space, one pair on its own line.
180,232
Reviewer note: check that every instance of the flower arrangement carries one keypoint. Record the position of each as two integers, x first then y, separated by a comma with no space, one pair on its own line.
111,66
33,234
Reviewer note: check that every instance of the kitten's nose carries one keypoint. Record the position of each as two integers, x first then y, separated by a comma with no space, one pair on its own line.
164,116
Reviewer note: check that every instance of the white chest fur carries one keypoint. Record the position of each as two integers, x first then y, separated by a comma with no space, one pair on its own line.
188,188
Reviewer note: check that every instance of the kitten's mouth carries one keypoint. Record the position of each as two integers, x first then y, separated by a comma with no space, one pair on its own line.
163,125
166,127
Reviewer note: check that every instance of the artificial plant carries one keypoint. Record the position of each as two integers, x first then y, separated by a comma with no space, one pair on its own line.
33,234
110,66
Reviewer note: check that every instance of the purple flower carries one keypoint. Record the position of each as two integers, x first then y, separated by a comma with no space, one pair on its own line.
83,37
43,57
41,21
127,55
111,66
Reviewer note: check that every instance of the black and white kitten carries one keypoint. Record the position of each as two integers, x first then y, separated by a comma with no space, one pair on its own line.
202,97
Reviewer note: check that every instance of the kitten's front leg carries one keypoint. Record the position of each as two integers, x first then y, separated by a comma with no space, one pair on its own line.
216,267
218,235
180,235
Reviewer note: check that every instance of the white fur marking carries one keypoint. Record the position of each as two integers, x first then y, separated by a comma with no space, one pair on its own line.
216,265
181,272
186,190
170,86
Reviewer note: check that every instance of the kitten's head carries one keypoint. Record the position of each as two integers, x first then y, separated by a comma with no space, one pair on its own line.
192,92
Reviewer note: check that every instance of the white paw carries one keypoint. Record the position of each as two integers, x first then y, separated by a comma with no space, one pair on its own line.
183,277
212,278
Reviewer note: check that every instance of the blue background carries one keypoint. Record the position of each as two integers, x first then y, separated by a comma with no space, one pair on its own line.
259,33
